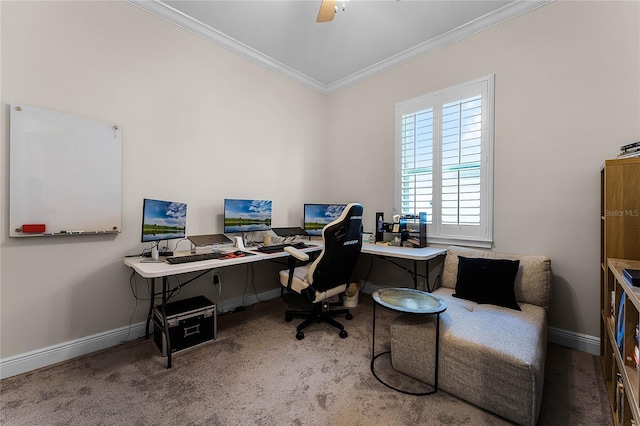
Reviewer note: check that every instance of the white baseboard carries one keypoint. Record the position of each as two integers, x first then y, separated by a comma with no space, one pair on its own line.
45,357
231,304
570,339
573,340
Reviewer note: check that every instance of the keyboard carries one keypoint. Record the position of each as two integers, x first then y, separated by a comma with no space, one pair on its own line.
275,248
194,257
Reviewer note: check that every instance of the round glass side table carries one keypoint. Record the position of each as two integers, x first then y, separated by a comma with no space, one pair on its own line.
408,300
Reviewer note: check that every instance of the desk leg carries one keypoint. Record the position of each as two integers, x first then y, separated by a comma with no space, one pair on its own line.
164,320
426,277
427,286
152,301
435,381
374,357
373,335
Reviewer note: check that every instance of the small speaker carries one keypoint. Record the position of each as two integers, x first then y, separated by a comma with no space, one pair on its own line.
239,243
379,226
423,229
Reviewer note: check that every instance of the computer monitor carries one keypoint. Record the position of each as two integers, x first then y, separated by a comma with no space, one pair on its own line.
163,220
316,216
247,215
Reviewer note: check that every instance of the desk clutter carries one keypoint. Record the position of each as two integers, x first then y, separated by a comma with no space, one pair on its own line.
187,258
408,230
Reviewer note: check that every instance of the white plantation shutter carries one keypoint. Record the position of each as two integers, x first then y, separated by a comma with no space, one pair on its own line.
461,160
445,153
417,162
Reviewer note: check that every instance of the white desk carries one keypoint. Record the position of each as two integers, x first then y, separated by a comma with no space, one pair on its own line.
162,270
152,270
423,254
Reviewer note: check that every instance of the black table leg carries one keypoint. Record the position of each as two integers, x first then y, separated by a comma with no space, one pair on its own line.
165,323
151,303
435,381
373,336
374,357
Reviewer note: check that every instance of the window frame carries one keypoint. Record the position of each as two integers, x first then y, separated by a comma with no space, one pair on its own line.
438,233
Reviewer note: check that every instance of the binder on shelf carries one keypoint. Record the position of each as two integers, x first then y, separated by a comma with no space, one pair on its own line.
633,275
620,325
630,146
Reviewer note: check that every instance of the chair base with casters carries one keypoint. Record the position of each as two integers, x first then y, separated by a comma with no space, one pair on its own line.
319,313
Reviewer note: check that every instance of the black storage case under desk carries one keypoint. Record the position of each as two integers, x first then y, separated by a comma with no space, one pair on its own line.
191,321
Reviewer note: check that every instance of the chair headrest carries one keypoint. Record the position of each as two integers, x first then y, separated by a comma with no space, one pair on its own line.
342,242
351,219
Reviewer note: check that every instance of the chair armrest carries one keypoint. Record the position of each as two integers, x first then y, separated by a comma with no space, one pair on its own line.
300,255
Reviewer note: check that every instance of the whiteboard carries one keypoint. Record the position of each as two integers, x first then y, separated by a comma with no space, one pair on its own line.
65,173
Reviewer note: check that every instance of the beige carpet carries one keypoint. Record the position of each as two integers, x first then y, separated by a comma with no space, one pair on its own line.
256,372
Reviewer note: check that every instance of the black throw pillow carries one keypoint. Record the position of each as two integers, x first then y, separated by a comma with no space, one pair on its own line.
487,281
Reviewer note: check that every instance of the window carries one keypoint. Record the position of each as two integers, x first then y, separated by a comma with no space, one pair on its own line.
444,162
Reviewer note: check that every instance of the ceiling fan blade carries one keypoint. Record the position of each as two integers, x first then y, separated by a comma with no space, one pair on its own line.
327,11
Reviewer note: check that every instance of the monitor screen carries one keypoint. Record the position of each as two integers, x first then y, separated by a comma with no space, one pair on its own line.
163,220
247,215
316,216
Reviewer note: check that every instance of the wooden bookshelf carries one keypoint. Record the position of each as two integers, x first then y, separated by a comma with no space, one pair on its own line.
619,300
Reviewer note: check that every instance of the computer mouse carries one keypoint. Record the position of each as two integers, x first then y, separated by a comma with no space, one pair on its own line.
238,253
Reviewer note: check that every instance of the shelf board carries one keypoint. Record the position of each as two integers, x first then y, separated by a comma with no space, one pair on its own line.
616,266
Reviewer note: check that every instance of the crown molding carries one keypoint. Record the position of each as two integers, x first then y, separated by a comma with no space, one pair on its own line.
166,12
490,20
194,26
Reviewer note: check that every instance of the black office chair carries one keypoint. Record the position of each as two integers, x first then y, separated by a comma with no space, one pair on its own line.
329,274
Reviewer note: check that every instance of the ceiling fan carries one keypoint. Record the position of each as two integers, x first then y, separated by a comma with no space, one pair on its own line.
328,9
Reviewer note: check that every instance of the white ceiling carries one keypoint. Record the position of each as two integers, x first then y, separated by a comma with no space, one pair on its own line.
369,37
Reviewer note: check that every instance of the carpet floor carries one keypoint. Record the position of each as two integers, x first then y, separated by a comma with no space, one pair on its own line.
257,373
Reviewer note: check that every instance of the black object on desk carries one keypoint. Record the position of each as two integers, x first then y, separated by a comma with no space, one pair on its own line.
194,257
208,240
276,248
291,231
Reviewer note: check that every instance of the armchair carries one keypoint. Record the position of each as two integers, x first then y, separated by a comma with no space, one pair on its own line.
329,274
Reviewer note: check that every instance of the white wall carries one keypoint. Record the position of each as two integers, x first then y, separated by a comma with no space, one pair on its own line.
196,118
199,124
567,97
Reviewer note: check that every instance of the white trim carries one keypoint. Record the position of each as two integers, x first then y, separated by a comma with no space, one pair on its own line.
559,336
478,235
45,357
492,19
573,340
510,11
228,305
190,24
33,360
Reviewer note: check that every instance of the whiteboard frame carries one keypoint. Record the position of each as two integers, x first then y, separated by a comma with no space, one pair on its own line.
65,173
